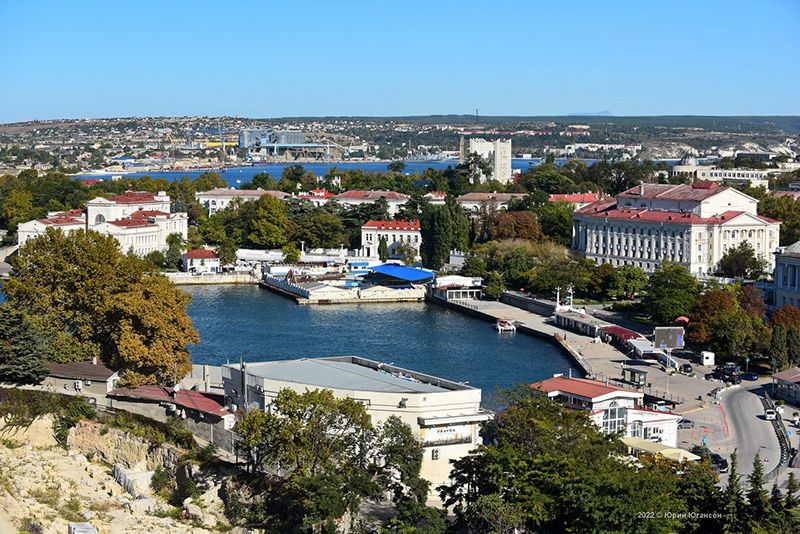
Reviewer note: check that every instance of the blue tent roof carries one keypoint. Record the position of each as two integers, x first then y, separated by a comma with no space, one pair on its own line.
409,274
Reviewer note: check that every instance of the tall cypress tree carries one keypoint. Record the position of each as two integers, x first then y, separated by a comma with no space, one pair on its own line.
22,349
757,499
733,502
790,501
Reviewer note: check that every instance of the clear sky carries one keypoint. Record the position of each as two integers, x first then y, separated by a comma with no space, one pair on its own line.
267,58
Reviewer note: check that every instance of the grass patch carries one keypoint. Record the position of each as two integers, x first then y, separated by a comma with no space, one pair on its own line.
5,483
71,511
47,496
9,443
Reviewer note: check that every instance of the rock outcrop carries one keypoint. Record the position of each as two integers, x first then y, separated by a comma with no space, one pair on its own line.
114,446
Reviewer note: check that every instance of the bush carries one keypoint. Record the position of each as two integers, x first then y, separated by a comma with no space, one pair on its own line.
162,479
205,455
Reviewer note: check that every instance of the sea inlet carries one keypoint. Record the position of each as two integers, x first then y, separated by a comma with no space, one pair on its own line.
258,325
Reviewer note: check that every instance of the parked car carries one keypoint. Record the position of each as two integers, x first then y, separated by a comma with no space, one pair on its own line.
686,424
716,375
770,414
719,463
750,376
685,369
732,379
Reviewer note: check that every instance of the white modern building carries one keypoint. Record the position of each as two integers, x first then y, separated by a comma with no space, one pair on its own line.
218,199
138,220
692,225
355,198
394,232
444,416
498,153
613,409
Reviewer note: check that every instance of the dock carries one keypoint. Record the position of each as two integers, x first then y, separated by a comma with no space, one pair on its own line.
313,293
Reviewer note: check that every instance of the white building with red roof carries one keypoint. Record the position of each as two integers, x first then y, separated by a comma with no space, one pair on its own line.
394,232
138,220
356,198
692,225
612,408
318,197
200,260
220,198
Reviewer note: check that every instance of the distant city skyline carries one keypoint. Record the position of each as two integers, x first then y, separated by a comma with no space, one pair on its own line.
261,59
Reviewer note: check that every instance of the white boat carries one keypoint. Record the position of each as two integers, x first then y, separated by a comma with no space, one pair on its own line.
505,325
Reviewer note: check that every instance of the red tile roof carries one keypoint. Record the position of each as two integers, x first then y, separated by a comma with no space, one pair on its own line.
61,221
582,387
606,209
133,197
144,214
200,254
407,226
697,191
193,400
576,198
477,196
231,192
77,212
317,193
372,195
131,223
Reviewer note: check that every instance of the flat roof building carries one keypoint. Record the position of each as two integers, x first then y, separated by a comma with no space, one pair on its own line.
443,415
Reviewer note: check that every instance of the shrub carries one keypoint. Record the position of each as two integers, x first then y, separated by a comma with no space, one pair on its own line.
162,478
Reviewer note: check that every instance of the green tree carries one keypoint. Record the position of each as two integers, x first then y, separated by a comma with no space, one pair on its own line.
17,208
397,166
741,262
266,222
383,249
627,281
494,285
263,181
555,220
291,254
319,228
671,292
460,224
226,251
208,181
733,502
473,266
406,252
255,436
90,300
437,236
175,247
790,501
758,506
779,347
22,349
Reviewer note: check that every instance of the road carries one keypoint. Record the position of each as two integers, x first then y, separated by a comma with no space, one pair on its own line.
750,433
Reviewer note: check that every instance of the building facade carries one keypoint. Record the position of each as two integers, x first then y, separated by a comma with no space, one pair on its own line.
444,416
355,198
394,232
613,409
218,199
200,260
140,221
690,168
498,153
787,276
692,225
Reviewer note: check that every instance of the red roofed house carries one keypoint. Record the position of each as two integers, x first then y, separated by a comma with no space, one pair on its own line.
578,200
200,260
318,197
198,409
394,232
692,225
612,408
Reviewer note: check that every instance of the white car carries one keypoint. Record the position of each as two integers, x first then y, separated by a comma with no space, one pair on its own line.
770,415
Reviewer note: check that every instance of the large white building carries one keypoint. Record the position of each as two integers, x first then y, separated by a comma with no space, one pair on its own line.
139,221
355,198
394,232
613,409
692,225
690,168
444,416
498,153
218,199
787,276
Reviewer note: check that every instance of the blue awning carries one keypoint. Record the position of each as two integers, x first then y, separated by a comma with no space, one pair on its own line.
401,272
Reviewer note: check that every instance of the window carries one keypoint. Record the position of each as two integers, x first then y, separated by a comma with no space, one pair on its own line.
434,454
613,418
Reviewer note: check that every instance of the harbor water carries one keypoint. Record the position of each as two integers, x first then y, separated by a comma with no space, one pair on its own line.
258,325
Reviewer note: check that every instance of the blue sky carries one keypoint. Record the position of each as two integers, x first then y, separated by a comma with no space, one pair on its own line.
271,59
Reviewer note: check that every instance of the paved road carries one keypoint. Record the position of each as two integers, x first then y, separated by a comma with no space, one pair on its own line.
750,432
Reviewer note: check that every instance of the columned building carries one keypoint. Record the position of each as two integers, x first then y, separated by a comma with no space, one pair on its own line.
691,225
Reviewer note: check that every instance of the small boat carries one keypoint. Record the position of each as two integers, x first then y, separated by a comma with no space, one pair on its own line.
505,326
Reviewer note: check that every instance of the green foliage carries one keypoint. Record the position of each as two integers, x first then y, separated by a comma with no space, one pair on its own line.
291,254
437,236
90,300
406,252
23,349
397,166
671,292
162,479
494,285
627,281
71,410
741,262
383,249
226,251
319,228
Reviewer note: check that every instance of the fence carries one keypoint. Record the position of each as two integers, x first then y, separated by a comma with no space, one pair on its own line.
783,440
